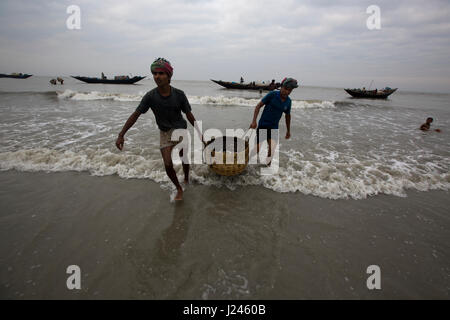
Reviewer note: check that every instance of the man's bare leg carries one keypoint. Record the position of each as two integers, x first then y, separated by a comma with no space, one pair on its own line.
257,148
168,164
272,145
185,168
268,159
253,152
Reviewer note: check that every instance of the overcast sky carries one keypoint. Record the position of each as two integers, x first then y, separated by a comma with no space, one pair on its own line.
324,43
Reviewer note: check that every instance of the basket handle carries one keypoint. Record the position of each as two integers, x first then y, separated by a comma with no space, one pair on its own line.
246,133
242,137
205,145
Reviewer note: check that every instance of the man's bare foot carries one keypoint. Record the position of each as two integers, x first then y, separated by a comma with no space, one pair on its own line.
179,195
186,181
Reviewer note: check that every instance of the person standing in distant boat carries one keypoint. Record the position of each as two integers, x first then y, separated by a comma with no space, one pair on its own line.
272,85
427,125
167,104
276,103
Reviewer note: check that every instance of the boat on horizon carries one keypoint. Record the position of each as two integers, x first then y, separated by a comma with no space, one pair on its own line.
15,75
116,80
371,94
247,86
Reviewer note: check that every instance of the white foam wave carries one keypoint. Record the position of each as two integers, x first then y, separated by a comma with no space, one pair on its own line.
203,100
325,178
97,95
223,101
312,104
245,102
99,162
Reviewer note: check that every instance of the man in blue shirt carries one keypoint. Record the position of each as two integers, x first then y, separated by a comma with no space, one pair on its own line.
276,103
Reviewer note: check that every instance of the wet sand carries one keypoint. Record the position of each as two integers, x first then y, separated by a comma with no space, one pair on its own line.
131,242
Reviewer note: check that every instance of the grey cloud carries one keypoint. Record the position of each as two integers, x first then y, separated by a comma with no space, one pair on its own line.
325,42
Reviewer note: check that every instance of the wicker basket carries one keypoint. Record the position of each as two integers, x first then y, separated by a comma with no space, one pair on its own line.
226,168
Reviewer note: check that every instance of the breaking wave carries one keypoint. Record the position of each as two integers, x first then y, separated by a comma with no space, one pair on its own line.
203,100
325,178
97,95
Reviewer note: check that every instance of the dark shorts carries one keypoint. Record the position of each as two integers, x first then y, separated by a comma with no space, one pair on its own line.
266,133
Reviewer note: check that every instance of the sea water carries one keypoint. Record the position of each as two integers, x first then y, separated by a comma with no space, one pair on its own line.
340,147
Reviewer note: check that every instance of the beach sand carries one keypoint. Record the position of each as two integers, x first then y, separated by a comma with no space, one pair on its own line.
132,242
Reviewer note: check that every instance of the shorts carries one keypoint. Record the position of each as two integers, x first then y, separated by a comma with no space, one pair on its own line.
165,139
268,133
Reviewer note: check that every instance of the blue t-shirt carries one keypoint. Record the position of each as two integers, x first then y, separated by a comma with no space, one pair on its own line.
274,109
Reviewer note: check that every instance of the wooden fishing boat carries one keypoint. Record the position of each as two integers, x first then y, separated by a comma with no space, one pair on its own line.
372,94
247,86
116,80
15,75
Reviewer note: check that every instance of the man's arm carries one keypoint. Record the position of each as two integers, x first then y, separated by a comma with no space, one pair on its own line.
130,122
288,126
255,114
192,120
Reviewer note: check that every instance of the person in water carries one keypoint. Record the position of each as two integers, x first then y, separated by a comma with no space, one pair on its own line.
167,104
276,103
427,125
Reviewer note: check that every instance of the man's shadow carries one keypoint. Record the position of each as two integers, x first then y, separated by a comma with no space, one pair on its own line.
157,267
174,236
